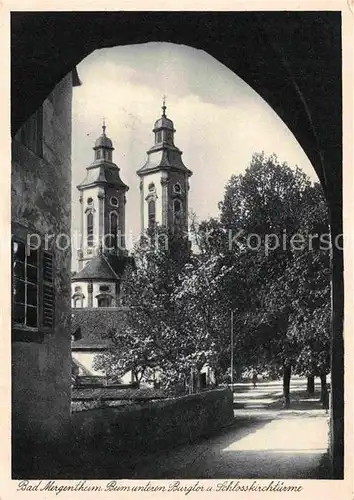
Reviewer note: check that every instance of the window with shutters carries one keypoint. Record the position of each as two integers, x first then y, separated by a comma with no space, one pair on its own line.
25,285
32,289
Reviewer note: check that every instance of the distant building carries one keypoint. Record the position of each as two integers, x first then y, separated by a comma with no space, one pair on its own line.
97,290
102,257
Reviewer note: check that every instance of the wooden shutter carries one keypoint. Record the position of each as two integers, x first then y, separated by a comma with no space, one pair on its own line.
48,290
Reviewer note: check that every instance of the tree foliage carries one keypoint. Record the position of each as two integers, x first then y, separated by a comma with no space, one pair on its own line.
260,259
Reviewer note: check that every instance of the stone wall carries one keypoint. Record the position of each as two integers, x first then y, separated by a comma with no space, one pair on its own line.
41,204
105,440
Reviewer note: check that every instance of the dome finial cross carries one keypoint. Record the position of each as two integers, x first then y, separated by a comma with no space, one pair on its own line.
104,126
164,106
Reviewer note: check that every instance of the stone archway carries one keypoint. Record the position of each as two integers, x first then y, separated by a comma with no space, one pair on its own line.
291,59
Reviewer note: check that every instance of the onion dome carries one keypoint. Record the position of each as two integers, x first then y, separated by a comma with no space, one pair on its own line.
103,141
163,122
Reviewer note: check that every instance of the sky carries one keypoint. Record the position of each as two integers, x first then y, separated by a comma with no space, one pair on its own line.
220,121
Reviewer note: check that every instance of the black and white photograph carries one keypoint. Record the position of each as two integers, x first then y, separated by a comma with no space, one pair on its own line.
177,276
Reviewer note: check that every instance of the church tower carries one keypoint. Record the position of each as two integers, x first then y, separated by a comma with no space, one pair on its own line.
102,199
164,181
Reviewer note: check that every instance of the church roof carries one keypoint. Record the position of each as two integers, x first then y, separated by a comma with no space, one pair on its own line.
103,267
103,172
164,157
163,122
103,142
91,326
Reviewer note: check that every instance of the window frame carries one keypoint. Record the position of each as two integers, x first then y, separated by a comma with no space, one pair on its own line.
151,220
20,331
26,282
89,229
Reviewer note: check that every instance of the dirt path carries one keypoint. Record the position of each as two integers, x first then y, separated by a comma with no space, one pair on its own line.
264,442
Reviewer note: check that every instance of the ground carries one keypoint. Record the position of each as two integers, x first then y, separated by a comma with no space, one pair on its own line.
264,441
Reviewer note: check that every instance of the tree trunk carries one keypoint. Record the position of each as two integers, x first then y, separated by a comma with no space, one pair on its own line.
191,382
324,391
311,384
286,386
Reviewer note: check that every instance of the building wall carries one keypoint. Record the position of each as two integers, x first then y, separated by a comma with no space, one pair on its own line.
101,209
182,180
86,358
89,252
164,198
95,292
41,204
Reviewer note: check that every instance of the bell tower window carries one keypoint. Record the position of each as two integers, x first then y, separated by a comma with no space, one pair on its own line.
113,228
107,154
177,210
152,213
90,229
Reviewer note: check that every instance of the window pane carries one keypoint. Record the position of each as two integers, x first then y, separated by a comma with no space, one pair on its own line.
32,274
19,269
19,313
19,291
32,257
32,294
31,316
18,249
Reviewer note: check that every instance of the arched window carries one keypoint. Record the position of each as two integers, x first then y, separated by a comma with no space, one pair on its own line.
113,228
107,154
90,229
78,302
158,137
104,301
177,209
152,213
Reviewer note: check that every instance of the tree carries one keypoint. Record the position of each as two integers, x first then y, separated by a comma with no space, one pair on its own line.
203,313
267,207
149,341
